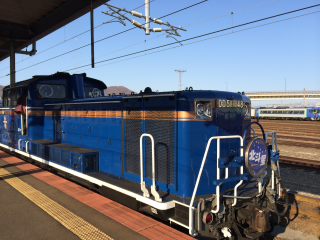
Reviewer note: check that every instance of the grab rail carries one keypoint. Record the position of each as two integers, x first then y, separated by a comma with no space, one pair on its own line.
254,131
191,223
27,146
143,184
19,144
274,149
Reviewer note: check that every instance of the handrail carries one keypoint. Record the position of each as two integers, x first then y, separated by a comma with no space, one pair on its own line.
19,144
274,144
143,184
274,139
191,223
254,131
27,146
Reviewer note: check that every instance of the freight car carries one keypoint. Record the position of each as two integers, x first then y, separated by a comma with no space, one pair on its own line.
287,113
185,157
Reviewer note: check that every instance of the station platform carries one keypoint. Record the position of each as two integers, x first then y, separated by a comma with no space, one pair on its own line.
37,204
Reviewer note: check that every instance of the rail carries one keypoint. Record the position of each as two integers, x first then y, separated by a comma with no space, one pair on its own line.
143,184
191,223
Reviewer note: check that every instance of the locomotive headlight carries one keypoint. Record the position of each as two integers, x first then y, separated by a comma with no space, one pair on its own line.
203,109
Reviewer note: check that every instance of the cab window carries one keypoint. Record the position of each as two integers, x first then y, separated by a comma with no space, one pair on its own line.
50,91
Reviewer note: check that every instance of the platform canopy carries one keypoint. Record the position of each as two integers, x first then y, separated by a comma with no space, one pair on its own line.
26,21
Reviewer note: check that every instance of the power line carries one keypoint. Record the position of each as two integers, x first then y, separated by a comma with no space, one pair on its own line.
165,44
241,30
184,9
98,41
231,13
203,35
165,33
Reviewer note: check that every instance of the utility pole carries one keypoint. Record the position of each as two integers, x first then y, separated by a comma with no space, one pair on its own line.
180,71
304,97
147,12
12,64
92,35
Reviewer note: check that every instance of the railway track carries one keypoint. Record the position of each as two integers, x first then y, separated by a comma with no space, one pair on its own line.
299,144
280,131
300,161
295,141
293,133
301,205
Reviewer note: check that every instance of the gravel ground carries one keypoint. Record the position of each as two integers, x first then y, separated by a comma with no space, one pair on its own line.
301,181
299,152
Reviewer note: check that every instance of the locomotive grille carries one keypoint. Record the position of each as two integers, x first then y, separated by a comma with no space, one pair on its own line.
56,155
40,152
34,149
160,124
76,161
65,158
133,131
90,163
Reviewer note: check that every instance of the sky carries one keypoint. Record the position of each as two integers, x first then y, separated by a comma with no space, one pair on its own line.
262,56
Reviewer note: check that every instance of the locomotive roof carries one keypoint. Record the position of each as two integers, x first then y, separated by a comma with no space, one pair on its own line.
55,75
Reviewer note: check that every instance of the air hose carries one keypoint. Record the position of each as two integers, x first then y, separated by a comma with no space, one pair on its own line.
286,205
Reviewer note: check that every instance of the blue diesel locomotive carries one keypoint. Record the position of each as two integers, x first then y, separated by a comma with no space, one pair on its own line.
186,157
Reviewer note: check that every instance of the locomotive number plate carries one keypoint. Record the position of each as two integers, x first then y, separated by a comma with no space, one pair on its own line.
222,103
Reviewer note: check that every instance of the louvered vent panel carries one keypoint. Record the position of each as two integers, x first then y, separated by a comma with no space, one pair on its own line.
90,163
56,155
133,131
76,161
160,124
65,158
34,148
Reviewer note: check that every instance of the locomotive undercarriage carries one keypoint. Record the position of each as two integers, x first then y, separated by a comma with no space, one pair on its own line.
249,219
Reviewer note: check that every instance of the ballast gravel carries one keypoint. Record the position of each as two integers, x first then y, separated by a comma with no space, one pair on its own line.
299,152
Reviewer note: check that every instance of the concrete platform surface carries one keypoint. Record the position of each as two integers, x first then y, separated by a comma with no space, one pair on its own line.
22,218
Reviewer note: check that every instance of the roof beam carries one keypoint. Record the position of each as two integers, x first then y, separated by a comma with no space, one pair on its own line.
14,31
62,15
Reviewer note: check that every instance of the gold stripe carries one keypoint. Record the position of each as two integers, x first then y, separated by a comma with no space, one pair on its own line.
69,220
163,115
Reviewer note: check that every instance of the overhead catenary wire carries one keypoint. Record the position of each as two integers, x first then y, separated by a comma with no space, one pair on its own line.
241,30
199,36
97,41
165,44
193,5
144,41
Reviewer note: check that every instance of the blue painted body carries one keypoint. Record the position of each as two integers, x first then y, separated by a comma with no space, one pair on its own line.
77,121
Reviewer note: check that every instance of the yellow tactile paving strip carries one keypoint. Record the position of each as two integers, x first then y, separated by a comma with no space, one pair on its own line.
69,220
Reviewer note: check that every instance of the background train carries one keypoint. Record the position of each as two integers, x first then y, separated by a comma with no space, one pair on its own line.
286,113
186,157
